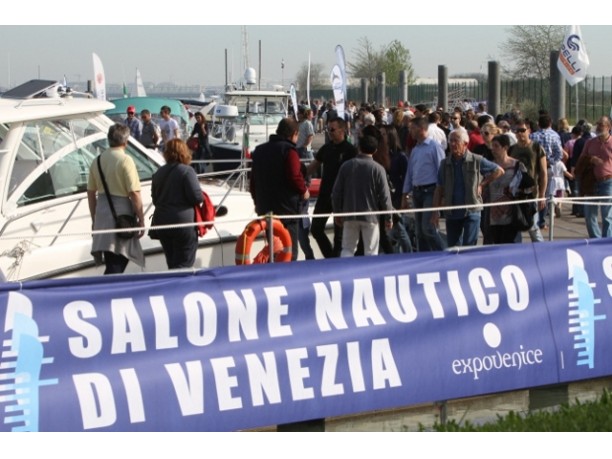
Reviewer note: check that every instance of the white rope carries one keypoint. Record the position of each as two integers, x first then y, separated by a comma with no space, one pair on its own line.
582,200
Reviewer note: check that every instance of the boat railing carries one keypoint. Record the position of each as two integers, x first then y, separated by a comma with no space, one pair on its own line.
236,179
39,102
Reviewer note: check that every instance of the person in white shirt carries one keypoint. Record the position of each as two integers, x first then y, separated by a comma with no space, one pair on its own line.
434,132
305,132
168,125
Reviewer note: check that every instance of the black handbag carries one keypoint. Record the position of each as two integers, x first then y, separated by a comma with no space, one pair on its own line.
121,221
523,213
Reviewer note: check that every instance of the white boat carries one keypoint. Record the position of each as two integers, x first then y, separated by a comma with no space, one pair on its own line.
48,139
243,120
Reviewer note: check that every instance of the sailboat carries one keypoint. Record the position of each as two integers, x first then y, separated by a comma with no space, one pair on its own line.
140,90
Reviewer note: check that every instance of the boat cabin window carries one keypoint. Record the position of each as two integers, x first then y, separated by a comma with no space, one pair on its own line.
265,120
258,105
55,157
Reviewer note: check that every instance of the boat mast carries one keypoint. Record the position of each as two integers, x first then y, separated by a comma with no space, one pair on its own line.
245,48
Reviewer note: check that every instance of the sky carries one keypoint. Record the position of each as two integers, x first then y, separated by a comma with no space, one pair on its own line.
188,48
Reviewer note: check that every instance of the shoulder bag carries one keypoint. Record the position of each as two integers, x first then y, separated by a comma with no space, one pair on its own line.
121,221
523,212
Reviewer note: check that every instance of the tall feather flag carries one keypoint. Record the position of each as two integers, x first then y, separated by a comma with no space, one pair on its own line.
573,58
99,79
340,92
337,87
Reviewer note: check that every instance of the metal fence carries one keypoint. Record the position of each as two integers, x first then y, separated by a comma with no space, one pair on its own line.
589,99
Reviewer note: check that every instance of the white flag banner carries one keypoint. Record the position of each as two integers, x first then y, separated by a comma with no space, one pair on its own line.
293,94
573,58
337,84
342,66
99,79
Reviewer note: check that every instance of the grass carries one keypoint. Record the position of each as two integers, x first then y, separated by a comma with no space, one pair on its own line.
593,416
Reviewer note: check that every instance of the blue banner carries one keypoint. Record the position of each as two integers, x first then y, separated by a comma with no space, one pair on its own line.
260,345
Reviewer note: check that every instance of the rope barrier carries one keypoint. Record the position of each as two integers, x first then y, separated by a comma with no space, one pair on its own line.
588,200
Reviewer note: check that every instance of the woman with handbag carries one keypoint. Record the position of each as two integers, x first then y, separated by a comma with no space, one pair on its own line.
198,143
175,191
113,194
503,230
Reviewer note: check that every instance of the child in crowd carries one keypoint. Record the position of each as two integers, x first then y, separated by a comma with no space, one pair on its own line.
558,186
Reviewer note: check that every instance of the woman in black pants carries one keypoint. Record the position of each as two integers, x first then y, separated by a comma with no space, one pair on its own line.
175,191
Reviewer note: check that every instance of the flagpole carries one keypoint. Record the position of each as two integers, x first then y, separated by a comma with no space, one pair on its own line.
573,59
308,82
283,73
577,104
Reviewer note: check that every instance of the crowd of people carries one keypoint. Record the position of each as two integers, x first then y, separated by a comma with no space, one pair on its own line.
374,167
155,136
455,161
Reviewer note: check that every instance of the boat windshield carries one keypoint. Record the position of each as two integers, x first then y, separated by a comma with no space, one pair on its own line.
263,120
54,156
254,105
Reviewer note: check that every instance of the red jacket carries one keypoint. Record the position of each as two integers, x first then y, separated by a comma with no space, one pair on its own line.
475,139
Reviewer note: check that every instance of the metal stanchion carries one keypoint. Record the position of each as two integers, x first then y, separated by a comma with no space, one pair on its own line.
550,203
270,234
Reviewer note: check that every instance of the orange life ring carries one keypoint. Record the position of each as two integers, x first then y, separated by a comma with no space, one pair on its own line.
282,243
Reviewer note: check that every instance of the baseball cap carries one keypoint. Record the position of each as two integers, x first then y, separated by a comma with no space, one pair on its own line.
131,109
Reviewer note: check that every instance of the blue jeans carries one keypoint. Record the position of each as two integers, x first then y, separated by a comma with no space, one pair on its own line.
463,231
542,214
591,212
577,208
399,237
428,237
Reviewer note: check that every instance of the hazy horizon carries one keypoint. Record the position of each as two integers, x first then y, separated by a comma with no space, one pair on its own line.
191,55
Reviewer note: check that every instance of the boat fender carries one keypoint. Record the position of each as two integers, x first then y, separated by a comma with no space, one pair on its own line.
282,243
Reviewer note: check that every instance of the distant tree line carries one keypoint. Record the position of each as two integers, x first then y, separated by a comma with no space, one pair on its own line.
526,52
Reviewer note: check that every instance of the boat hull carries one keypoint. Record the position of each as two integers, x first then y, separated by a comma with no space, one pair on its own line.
229,156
